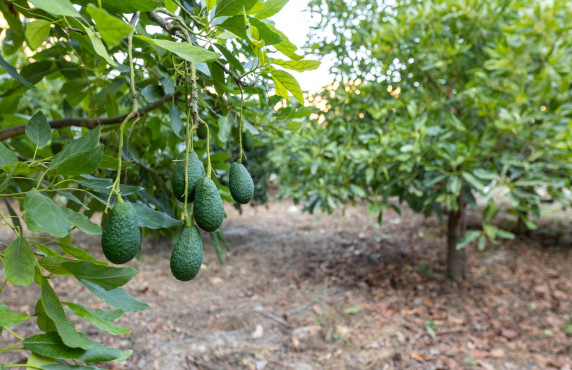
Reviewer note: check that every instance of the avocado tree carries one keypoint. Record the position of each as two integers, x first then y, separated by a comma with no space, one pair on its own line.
133,110
440,104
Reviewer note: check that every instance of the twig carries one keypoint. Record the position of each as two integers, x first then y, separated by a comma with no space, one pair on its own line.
272,317
86,122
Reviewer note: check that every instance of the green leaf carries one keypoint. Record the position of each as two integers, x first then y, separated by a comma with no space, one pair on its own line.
45,324
98,46
54,264
69,367
152,93
264,32
9,318
224,127
470,236
285,80
37,32
111,29
101,353
168,85
217,247
15,75
19,262
228,8
210,4
82,164
236,25
151,219
353,309
7,157
57,7
46,214
175,117
271,7
106,277
482,243
97,319
104,185
38,361
491,231
505,234
185,50
230,58
83,223
109,315
473,181
55,311
80,254
171,6
117,297
38,129
285,47
51,345
124,6
297,65
84,144
14,217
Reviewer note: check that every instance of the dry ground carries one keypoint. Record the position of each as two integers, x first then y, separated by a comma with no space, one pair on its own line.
302,291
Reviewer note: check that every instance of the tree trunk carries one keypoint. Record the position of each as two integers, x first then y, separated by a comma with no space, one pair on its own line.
455,230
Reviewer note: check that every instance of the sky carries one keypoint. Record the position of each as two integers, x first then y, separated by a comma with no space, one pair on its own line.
295,23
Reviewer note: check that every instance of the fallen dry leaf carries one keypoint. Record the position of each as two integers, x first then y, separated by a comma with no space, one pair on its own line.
497,353
419,356
258,332
509,333
317,310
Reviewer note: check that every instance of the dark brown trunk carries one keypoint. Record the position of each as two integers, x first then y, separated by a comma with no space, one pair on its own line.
455,230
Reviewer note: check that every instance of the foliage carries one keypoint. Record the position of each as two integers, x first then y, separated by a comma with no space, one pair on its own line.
96,104
436,100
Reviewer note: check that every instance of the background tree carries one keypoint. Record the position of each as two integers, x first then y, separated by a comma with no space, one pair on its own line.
97,100
441,104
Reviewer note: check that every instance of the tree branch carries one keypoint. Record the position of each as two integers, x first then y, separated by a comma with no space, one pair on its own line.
175,32
86,122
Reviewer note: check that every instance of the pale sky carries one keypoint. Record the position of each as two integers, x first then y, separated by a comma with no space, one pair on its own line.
294,22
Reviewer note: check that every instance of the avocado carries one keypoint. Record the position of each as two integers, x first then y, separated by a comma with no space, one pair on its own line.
240,183
196,171
247,141
202,132
121,236
187,256
208,209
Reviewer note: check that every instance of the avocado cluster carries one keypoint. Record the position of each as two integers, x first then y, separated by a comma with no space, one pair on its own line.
121,236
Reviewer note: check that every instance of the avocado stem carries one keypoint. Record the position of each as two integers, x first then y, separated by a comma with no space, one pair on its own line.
241,152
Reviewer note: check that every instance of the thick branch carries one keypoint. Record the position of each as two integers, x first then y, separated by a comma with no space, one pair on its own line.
85,122
175,32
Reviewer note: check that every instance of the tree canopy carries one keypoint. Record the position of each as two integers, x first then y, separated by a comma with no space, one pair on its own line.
440,104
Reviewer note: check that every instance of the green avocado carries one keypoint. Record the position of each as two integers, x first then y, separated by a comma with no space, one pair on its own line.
202,132
196,171
240,183
187,256
121,235
208,209
247,141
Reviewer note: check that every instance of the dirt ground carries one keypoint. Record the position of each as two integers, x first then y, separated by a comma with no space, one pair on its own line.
302,291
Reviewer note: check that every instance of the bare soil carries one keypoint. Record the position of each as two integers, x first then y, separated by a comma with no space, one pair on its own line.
301,291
